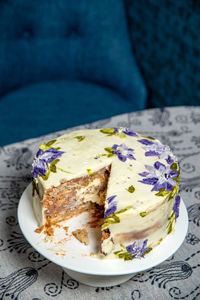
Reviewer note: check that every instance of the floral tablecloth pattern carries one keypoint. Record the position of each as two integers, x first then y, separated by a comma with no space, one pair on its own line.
25,274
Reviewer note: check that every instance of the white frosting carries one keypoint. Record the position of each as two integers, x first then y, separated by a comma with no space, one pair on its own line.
80,156
38,210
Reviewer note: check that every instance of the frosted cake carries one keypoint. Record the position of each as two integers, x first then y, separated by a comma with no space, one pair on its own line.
133,178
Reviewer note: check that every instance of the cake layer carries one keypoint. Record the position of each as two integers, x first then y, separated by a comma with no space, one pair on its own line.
71,197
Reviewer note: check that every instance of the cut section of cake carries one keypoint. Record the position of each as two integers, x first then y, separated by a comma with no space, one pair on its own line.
132,178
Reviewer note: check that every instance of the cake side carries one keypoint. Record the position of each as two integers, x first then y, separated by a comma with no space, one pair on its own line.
154,191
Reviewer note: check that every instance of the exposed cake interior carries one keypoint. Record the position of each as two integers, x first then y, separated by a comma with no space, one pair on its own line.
71,198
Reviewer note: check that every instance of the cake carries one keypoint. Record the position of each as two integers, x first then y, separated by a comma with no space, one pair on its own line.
133,179
81,235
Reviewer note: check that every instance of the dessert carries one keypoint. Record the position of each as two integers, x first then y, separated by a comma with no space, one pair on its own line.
135,179
81,235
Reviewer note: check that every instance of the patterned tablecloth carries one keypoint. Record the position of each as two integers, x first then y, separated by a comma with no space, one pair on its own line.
24,274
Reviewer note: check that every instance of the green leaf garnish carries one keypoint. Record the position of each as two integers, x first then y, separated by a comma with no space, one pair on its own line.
35,187
148,137
123,210
47,146
143,214
173,192
50,143
131,189
170,195
171,223
89,171
162,192
112,219
174,166
111,131
108,131
52,166
80,138
110,151
64,170
121,135
46,176
124,254
147,251
178,177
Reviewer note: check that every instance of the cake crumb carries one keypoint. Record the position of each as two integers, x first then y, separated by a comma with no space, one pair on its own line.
81,235
39,230
66,228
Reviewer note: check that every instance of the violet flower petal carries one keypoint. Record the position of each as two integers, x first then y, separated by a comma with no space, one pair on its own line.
146,142
111,198
111,209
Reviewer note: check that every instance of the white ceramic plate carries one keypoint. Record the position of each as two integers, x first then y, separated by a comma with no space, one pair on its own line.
77,256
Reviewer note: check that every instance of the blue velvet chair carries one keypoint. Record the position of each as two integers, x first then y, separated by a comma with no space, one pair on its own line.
64,63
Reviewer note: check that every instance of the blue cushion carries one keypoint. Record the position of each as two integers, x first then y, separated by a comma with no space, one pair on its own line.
50,106
79,40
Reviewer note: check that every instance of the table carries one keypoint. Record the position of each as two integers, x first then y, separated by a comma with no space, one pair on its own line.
24,274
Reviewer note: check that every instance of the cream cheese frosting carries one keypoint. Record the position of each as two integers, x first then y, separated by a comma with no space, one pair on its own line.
142,193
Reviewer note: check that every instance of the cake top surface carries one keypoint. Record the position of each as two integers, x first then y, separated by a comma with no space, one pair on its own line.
142,169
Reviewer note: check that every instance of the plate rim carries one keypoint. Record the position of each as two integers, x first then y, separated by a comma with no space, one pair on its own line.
134,266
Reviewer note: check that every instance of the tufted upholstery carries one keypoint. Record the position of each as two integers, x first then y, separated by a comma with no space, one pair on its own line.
83,40
68,41
44,105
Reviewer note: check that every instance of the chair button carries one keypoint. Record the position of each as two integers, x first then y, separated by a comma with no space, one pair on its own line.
28,33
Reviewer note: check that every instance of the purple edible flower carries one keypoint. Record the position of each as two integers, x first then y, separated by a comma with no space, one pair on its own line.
111,198
125,131
169,160
112,206
160,176
42,160
156,149
123,152
137,249
176,206
146,142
